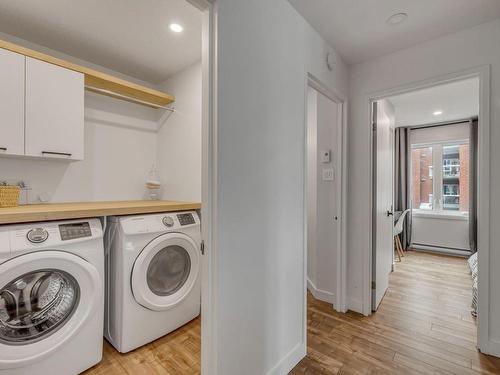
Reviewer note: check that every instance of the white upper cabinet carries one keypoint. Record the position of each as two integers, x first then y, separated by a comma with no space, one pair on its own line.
54,124
11,103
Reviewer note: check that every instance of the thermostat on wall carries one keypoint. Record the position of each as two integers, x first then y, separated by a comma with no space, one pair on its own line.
326,156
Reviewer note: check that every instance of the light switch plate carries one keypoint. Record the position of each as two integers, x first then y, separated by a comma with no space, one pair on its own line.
328,174
326,156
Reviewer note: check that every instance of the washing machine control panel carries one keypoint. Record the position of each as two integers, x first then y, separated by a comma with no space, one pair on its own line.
37,235
186,219
72,231
168,221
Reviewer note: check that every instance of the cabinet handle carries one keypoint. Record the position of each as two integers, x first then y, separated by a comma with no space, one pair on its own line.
56,153
3,148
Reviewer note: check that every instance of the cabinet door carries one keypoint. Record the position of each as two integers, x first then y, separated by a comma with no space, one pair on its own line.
54,111
11,103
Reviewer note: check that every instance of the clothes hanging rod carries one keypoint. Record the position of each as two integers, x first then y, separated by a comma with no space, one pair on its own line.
127,98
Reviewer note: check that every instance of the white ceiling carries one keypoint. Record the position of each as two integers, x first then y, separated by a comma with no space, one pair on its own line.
457,101
129,36
357,29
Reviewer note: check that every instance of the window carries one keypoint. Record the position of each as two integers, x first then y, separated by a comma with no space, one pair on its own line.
446,187
456,177
422,174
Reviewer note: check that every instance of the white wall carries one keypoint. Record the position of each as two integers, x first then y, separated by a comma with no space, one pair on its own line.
451,53
264,51
445,232
179,138
118,137
322,237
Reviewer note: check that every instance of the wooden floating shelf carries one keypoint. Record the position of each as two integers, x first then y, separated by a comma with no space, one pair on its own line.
80,210
101,82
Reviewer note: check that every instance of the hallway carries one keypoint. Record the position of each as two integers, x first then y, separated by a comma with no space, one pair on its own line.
423,326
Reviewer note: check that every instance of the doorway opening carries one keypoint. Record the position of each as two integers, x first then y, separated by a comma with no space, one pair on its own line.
325,147
426,197
323,190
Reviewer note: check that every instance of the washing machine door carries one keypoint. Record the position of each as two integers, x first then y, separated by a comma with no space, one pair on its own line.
165,271
46,297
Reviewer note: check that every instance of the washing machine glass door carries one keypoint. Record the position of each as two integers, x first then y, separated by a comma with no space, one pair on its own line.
165,271
46,297
36,304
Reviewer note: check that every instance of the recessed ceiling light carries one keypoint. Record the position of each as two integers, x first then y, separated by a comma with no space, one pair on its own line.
437,113
396,18
176,28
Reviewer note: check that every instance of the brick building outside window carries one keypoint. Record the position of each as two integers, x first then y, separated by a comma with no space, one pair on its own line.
446,188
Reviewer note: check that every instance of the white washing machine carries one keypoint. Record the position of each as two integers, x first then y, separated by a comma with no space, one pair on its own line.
152,276
51,297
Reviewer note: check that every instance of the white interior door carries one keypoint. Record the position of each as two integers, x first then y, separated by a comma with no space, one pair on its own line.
383,244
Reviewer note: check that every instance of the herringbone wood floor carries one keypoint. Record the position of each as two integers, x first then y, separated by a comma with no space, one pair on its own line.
423,326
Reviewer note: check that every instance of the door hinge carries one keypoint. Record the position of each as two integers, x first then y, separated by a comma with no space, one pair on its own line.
202,247
374,126
374,285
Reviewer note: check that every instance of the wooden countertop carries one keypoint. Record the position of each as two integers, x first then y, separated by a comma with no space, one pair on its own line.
79,210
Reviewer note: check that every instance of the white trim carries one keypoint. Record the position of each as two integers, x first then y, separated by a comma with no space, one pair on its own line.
483,218
320,294
339,302
492,347
485,344
354,304
209,301
289,361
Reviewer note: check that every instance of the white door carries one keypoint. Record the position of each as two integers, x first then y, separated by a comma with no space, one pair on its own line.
46,298
165,271
54,111
11,103
383,245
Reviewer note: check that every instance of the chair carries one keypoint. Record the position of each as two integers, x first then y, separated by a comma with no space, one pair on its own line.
398,228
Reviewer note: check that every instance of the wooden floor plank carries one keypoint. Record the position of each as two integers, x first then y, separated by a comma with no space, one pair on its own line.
178,353
423,326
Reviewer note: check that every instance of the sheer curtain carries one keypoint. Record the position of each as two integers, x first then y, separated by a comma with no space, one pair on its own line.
402,198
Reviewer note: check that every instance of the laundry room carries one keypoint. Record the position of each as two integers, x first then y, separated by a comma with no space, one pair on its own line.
100,151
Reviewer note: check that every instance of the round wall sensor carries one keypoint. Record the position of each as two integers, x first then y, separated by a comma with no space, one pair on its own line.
331,61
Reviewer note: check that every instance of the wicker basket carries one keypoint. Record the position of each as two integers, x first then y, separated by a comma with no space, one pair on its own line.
9,196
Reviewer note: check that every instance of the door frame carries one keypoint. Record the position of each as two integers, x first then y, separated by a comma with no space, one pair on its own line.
340,298
208,259
484,343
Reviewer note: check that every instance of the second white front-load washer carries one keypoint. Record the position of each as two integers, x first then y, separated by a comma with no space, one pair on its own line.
152,276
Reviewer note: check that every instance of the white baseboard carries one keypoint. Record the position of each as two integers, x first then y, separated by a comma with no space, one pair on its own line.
290,360
355,305
320,294
492,348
